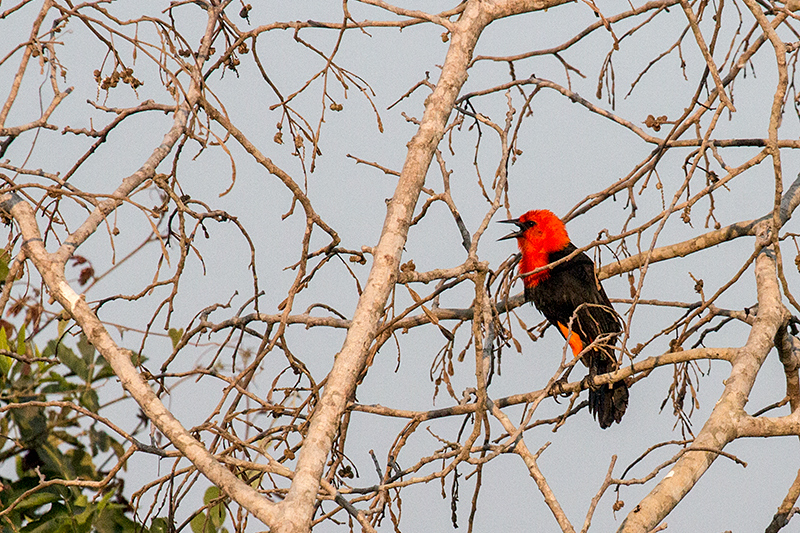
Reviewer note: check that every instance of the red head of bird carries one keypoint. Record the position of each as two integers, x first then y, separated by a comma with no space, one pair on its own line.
539,234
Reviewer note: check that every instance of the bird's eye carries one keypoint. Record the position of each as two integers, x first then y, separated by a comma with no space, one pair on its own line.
529,224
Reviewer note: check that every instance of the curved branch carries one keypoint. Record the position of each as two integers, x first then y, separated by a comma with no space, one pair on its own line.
643,366
51,269
350,361
790,201
369,311
52,273
723,425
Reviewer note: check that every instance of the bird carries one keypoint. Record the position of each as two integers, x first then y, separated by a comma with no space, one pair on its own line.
570,297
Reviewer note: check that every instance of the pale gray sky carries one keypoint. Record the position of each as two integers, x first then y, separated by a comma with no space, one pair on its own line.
567,154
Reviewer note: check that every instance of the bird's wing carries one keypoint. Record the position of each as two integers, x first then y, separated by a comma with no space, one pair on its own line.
573,299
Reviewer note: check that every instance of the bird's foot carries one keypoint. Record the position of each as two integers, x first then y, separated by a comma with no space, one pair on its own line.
588,382
557,388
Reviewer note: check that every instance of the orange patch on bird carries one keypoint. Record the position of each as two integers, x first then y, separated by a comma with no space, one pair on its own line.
574,341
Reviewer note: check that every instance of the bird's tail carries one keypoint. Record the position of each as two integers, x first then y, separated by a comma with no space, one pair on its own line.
608,402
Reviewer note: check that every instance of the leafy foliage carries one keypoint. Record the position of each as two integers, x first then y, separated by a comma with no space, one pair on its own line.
212,519
55,447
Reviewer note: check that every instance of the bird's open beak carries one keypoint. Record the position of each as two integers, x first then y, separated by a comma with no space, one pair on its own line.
513,234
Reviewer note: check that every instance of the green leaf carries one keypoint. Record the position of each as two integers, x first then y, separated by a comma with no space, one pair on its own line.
112,519
159,525
56,520
62,326
56,383
83,519
90,400
99,440
3,339
106,499
105,369
175,335
81,464
201,524
86,349
119,450
3,267
37,499
216,513
5,361
31,423
21,341
137,359
55,463
212,493
68,357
